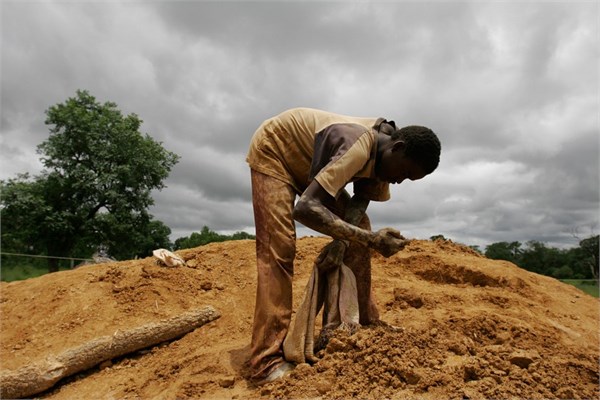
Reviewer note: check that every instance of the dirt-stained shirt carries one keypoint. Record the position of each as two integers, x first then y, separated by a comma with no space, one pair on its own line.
302,144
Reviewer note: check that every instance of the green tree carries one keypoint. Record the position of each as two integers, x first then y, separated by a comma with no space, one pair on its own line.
539,258
23,214
564,272
437,237
133,235
575,258
476,248
96,188
242,236
208,236
504,251
575,263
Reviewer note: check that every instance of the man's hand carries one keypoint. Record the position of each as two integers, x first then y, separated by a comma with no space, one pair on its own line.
331,256
388,241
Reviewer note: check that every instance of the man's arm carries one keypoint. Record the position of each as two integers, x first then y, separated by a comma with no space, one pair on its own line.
355,211
312,211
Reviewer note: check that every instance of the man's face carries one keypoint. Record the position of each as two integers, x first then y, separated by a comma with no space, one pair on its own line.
395,167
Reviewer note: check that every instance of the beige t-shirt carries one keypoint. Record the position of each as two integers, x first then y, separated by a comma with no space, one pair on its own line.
303,144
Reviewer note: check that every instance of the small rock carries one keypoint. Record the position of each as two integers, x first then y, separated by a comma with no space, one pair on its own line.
565,393
396,383
191,263
523,358
471,373
411,377
117,289
469,394
336,345
227,382
323,387
458,348
502,337
206,285
105,364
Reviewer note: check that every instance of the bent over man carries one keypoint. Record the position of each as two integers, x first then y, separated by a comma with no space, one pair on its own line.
314,154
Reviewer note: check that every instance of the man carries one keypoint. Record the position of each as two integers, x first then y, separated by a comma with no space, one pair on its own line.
314,154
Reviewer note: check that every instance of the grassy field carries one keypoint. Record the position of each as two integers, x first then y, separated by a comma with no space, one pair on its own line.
18,267
20,272
586,285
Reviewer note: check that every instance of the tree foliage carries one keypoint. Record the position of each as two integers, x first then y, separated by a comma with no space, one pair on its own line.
575,263
208,236
95,189
509,251
23,214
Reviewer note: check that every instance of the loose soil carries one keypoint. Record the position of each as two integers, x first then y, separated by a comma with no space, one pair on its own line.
459,326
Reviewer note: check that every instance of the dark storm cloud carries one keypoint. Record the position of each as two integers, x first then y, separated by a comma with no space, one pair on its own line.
510,87
218,176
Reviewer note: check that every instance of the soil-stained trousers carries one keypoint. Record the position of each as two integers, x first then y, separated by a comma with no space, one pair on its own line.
273,202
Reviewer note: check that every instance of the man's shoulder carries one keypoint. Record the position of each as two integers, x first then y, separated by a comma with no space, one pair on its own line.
304,111
346,132
325,117
347,126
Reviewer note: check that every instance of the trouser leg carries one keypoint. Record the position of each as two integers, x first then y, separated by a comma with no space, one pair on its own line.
273,203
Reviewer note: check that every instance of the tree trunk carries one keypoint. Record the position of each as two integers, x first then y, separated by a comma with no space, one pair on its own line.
43,374
53,265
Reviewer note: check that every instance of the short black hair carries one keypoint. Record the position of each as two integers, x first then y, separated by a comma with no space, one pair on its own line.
422,146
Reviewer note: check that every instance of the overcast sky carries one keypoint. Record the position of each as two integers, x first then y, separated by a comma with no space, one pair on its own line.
511,89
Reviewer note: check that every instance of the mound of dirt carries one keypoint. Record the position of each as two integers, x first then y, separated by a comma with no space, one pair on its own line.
458,326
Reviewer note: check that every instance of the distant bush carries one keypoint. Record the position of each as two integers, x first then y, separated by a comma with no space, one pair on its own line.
579,262
208,236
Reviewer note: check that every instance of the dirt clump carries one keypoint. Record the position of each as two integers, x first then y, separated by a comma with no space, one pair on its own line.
457,325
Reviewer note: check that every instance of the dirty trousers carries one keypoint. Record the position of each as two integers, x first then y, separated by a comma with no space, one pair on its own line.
273,202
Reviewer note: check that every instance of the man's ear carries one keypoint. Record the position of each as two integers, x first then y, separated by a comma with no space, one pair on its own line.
398,146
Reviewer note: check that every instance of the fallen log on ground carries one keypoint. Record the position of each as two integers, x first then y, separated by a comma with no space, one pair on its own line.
42,375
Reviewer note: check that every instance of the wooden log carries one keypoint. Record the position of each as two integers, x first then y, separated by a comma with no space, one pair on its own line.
42,375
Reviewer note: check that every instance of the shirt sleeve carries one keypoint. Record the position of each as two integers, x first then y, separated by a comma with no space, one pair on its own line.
372,189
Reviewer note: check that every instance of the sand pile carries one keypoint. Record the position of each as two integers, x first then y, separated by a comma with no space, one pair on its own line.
462,326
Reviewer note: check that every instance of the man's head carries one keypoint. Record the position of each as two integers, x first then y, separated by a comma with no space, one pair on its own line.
411,153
